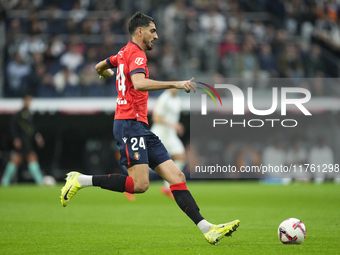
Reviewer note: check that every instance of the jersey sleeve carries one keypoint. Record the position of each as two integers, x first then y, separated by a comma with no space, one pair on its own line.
112,61
137,62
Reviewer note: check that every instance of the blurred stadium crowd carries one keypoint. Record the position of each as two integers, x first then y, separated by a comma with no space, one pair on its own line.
51,46
50,49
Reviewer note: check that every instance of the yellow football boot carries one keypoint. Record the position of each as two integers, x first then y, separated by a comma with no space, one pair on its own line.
71,187
217,232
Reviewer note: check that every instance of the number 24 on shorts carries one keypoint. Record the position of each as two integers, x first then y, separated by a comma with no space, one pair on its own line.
134,141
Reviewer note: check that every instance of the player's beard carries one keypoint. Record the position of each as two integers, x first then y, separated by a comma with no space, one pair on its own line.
148,45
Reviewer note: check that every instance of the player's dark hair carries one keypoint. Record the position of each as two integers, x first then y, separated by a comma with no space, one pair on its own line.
139,19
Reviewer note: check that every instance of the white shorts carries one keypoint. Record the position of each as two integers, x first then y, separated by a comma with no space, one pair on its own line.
170,140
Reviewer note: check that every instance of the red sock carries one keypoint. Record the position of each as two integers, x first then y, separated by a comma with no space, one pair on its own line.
129,187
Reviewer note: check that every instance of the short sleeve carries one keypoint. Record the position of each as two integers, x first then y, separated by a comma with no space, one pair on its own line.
137,62
112,61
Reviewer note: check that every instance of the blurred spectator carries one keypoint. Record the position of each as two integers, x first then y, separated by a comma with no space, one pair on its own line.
72,58
290,64
259,30
229,45
172,13
248,65
13,30
198,31
37,59
248,156
217,78
270,34
238,22
267,61
47,88
319,87
32,25
228,67
192,156
71,27
275,155
291,9
319,155
314,64
328,31
86,27
154,54
250,39
213,24
117,25
277,8
305,83
192,33
327,9
91,56
192,23
229,154
280,41
76,40
35,80
170,61
89,77
297,156
78,13
55,25
65,77
106,26
109,47
154,72
30,45
17,70
56,47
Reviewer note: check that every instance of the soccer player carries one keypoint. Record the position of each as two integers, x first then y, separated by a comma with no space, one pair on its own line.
24,134
138,146
166,126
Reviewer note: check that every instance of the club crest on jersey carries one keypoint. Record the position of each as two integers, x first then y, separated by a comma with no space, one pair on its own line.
139,61
137,155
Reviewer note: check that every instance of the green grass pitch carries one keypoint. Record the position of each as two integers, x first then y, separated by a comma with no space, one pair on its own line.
32,220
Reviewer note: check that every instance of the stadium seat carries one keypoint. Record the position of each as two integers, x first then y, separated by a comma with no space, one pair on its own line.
94,91
47,91
72,91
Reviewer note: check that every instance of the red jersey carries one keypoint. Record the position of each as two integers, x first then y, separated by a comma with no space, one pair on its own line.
131,104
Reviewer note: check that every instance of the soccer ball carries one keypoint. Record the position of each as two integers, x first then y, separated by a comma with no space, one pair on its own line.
49,180
292,231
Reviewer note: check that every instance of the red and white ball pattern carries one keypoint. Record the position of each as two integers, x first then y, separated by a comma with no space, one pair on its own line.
292,231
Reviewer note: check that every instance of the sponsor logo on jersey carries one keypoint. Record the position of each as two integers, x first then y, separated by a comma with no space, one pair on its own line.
137,155
121,101
124,139
139,61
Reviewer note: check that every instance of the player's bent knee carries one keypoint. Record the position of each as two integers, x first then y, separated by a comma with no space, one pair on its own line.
16,160
178,178
181,177
141,187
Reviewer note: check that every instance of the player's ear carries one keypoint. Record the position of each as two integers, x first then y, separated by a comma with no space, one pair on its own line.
139,31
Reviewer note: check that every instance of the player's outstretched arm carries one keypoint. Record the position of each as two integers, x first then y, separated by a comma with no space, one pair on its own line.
140,83
103,70
188,85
